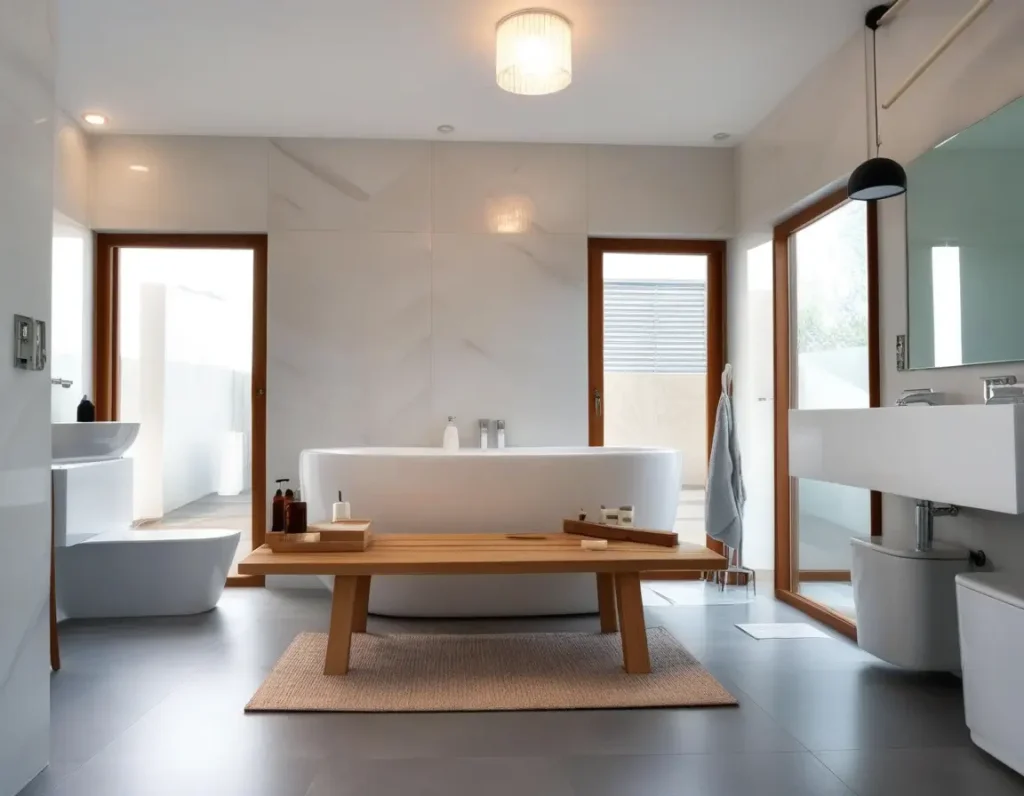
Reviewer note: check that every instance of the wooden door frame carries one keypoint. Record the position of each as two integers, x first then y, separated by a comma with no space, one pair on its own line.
785,553
106,370
715,251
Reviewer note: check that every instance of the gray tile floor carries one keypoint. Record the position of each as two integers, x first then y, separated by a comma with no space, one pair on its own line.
154,707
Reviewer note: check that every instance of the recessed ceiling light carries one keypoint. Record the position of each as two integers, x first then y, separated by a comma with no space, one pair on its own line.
138,167
445,128
720,136
95,119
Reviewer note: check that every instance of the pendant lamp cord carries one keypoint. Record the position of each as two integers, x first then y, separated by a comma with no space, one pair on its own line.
874,90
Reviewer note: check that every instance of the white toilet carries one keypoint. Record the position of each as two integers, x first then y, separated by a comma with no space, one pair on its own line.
905,599
991,619
104,568
144,573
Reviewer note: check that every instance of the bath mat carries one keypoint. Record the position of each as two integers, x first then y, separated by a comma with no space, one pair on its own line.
776,630
521,671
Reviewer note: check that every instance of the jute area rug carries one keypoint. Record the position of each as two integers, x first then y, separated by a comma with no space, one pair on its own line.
522,671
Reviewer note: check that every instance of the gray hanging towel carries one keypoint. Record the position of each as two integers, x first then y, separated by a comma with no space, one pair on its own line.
723,508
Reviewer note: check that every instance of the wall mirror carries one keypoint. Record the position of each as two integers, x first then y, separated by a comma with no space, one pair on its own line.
965,239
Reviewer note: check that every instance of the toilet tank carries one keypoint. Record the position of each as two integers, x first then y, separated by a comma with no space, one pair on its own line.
906,601
991,621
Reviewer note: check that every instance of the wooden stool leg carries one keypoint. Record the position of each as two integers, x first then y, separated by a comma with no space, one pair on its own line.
606,602
339,639
362,604
635,656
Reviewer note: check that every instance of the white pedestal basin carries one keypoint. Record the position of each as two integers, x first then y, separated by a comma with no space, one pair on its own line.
90,442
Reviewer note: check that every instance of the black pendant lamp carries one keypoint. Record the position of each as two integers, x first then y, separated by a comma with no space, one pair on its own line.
877,178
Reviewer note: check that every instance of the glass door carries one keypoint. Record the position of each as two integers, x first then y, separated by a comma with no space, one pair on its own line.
181,350
828,265
655,347
185,374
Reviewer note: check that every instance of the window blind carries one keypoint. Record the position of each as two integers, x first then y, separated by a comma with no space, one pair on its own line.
655,327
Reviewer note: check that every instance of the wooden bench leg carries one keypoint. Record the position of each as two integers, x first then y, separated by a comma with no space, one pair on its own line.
339,639
362,604
635,656
606,602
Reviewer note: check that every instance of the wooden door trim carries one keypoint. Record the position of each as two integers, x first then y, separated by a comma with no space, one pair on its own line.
785,553
833,619
595,340
825,576
106,337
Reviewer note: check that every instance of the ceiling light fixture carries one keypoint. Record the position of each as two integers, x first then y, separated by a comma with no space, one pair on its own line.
95,119
445,128
877,177
720,136
138,167
534,52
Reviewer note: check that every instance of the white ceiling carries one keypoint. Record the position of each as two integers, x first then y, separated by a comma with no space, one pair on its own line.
644,71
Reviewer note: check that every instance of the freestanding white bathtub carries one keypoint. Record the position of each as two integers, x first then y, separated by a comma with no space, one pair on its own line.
512,490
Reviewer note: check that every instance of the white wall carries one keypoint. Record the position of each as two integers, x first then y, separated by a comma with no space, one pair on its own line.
659,410
182,394
26,229
72,326
71,170
198,401
749,332
71,330
391,303
817,136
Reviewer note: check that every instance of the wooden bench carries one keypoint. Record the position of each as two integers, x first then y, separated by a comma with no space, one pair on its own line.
617,569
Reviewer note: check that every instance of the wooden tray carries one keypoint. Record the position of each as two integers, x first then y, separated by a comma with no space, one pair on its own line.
619,534
347,536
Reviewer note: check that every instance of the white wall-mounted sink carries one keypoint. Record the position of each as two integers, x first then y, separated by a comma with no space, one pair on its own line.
88,442
970,455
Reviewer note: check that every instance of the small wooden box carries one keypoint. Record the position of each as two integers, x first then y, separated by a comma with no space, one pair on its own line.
346,536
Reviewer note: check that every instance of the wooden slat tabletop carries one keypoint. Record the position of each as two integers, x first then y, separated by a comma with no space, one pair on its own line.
498,554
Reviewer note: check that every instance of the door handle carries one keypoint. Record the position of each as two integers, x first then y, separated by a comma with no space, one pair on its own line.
597,402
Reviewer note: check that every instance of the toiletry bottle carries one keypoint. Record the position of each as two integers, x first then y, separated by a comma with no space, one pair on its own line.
289,496
277,508
341,510
450,441
86,410
297,514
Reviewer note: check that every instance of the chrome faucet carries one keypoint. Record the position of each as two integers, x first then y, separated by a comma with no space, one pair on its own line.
924,395
925,513
485,433
991,385
501,433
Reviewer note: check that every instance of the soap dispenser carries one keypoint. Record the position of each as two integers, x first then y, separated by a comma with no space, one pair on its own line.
450,441
278,507
86,412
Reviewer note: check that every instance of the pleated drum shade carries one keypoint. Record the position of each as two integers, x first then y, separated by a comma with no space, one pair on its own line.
534,52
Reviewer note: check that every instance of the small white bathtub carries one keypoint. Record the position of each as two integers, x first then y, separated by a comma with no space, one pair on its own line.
513,490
